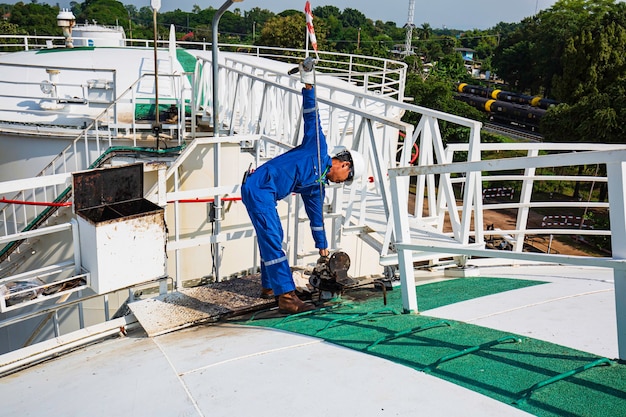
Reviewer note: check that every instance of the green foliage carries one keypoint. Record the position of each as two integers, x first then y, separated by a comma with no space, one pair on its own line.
254,20
350,40
451,67
424,32
7,28
436,48
595,59
289,32
104,12
596,118
514,61
483,42
334,32
435,93
593,84
183,21
353,18
324,12
232,24
529,57
289,12
599,222
10,29
390,29
35,19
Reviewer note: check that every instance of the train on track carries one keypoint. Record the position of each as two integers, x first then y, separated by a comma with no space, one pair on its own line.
509,96
505,107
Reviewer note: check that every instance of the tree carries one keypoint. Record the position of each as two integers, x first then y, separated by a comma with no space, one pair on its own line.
8,28
451,67
435,93
324,12
353,18
334,31
594,60
289,32
255,19
425,31
529,57
36,19
232,24
592,85
104,12
515,63
348,40
389,28
289,12
75,7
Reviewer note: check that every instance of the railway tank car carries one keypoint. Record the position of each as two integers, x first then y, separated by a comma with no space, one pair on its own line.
522,116
509,96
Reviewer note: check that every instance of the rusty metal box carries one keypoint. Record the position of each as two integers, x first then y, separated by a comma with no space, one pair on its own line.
122,235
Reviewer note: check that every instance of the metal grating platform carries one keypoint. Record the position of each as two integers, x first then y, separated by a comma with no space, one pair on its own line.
191,306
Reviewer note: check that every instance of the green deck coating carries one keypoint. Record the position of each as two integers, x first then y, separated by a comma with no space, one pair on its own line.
503,371
65,50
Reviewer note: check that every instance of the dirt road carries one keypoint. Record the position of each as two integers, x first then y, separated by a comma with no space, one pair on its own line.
564,244
506,220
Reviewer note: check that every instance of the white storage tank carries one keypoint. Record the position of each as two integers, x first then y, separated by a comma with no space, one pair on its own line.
98,35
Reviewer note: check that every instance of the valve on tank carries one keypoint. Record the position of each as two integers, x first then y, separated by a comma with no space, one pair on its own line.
330,275
66,21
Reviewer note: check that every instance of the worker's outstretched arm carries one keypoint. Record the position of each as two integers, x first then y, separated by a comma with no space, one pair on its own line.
313,134
315,141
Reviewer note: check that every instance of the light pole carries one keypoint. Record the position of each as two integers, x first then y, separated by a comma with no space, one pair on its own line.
216,20
130,25
216,132
156,5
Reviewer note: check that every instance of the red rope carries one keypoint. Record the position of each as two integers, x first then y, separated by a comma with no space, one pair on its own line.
35,203
206,200
417,150
67,204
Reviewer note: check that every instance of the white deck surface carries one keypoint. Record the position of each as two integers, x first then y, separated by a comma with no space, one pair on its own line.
575,309
229,370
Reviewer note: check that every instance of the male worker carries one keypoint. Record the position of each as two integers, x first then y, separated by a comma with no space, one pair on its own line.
303,170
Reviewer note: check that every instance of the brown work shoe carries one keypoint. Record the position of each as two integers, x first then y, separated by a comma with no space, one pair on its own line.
267,293
290,303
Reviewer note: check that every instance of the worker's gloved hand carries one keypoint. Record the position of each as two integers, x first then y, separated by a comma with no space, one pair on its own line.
323,260
324,256
307,71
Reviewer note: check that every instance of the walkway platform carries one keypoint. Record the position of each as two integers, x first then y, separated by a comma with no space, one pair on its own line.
227,368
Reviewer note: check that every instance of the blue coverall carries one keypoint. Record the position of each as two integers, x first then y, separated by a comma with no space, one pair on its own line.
295,171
